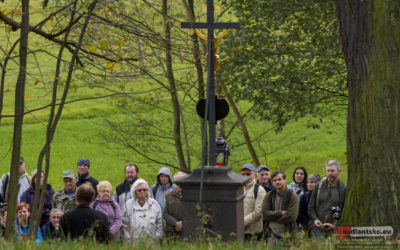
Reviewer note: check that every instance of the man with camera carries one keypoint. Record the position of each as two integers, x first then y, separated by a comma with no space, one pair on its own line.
327,201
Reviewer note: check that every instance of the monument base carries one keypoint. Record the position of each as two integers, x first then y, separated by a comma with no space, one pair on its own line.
222,211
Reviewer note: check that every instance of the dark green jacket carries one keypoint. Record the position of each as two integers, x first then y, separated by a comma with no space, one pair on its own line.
173,211
328,197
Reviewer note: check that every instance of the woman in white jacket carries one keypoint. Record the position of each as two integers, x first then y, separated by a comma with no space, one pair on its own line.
142,216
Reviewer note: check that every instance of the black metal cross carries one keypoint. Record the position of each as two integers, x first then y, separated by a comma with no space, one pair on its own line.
210,26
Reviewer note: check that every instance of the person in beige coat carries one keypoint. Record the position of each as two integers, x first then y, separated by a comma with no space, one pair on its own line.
253,200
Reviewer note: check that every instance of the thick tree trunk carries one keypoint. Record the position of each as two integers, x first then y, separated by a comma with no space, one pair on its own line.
370,34
18,120
173,91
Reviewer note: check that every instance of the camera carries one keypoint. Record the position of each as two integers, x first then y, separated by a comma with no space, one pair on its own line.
336,212
3,204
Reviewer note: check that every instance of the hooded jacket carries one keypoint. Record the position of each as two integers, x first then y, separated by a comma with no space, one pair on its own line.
142,221
113,212
159,191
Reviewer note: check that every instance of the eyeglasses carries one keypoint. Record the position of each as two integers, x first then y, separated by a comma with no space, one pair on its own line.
247,174
142,190
104,191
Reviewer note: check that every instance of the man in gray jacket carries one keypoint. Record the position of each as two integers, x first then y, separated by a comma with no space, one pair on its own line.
164,185
327,201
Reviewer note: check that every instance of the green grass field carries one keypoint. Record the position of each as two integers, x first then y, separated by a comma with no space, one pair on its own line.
75,138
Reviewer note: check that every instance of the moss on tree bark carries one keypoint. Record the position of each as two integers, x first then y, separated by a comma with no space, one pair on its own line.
370,34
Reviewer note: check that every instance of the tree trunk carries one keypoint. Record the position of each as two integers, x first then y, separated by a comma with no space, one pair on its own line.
18,120
189,6
370,34
55,117
242,124
173,91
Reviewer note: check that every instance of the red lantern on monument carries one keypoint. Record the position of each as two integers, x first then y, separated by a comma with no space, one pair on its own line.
222,151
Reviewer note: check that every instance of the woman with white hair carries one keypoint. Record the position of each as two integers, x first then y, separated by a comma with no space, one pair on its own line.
142,216
104,203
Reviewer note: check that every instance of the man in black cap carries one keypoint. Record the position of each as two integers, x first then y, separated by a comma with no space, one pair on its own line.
83,174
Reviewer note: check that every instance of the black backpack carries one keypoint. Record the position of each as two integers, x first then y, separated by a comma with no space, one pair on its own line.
256,190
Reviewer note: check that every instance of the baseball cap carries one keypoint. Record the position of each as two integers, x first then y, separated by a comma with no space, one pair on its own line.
262,167
68,174
249,166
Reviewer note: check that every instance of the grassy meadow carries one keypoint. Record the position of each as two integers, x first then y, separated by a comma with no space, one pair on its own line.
295,145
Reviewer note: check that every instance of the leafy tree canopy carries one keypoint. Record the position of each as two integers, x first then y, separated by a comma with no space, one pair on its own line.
286,58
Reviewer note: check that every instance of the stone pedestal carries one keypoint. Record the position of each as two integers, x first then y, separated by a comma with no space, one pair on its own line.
222,214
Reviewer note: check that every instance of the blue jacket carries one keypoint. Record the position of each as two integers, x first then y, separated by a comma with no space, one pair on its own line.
22,231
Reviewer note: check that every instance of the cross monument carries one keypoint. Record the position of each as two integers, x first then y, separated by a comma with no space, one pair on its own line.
210,25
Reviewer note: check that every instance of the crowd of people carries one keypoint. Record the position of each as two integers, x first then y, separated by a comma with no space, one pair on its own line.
88,208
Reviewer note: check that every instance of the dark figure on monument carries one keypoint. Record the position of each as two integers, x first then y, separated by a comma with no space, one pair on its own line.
327,201
83,220
280,208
